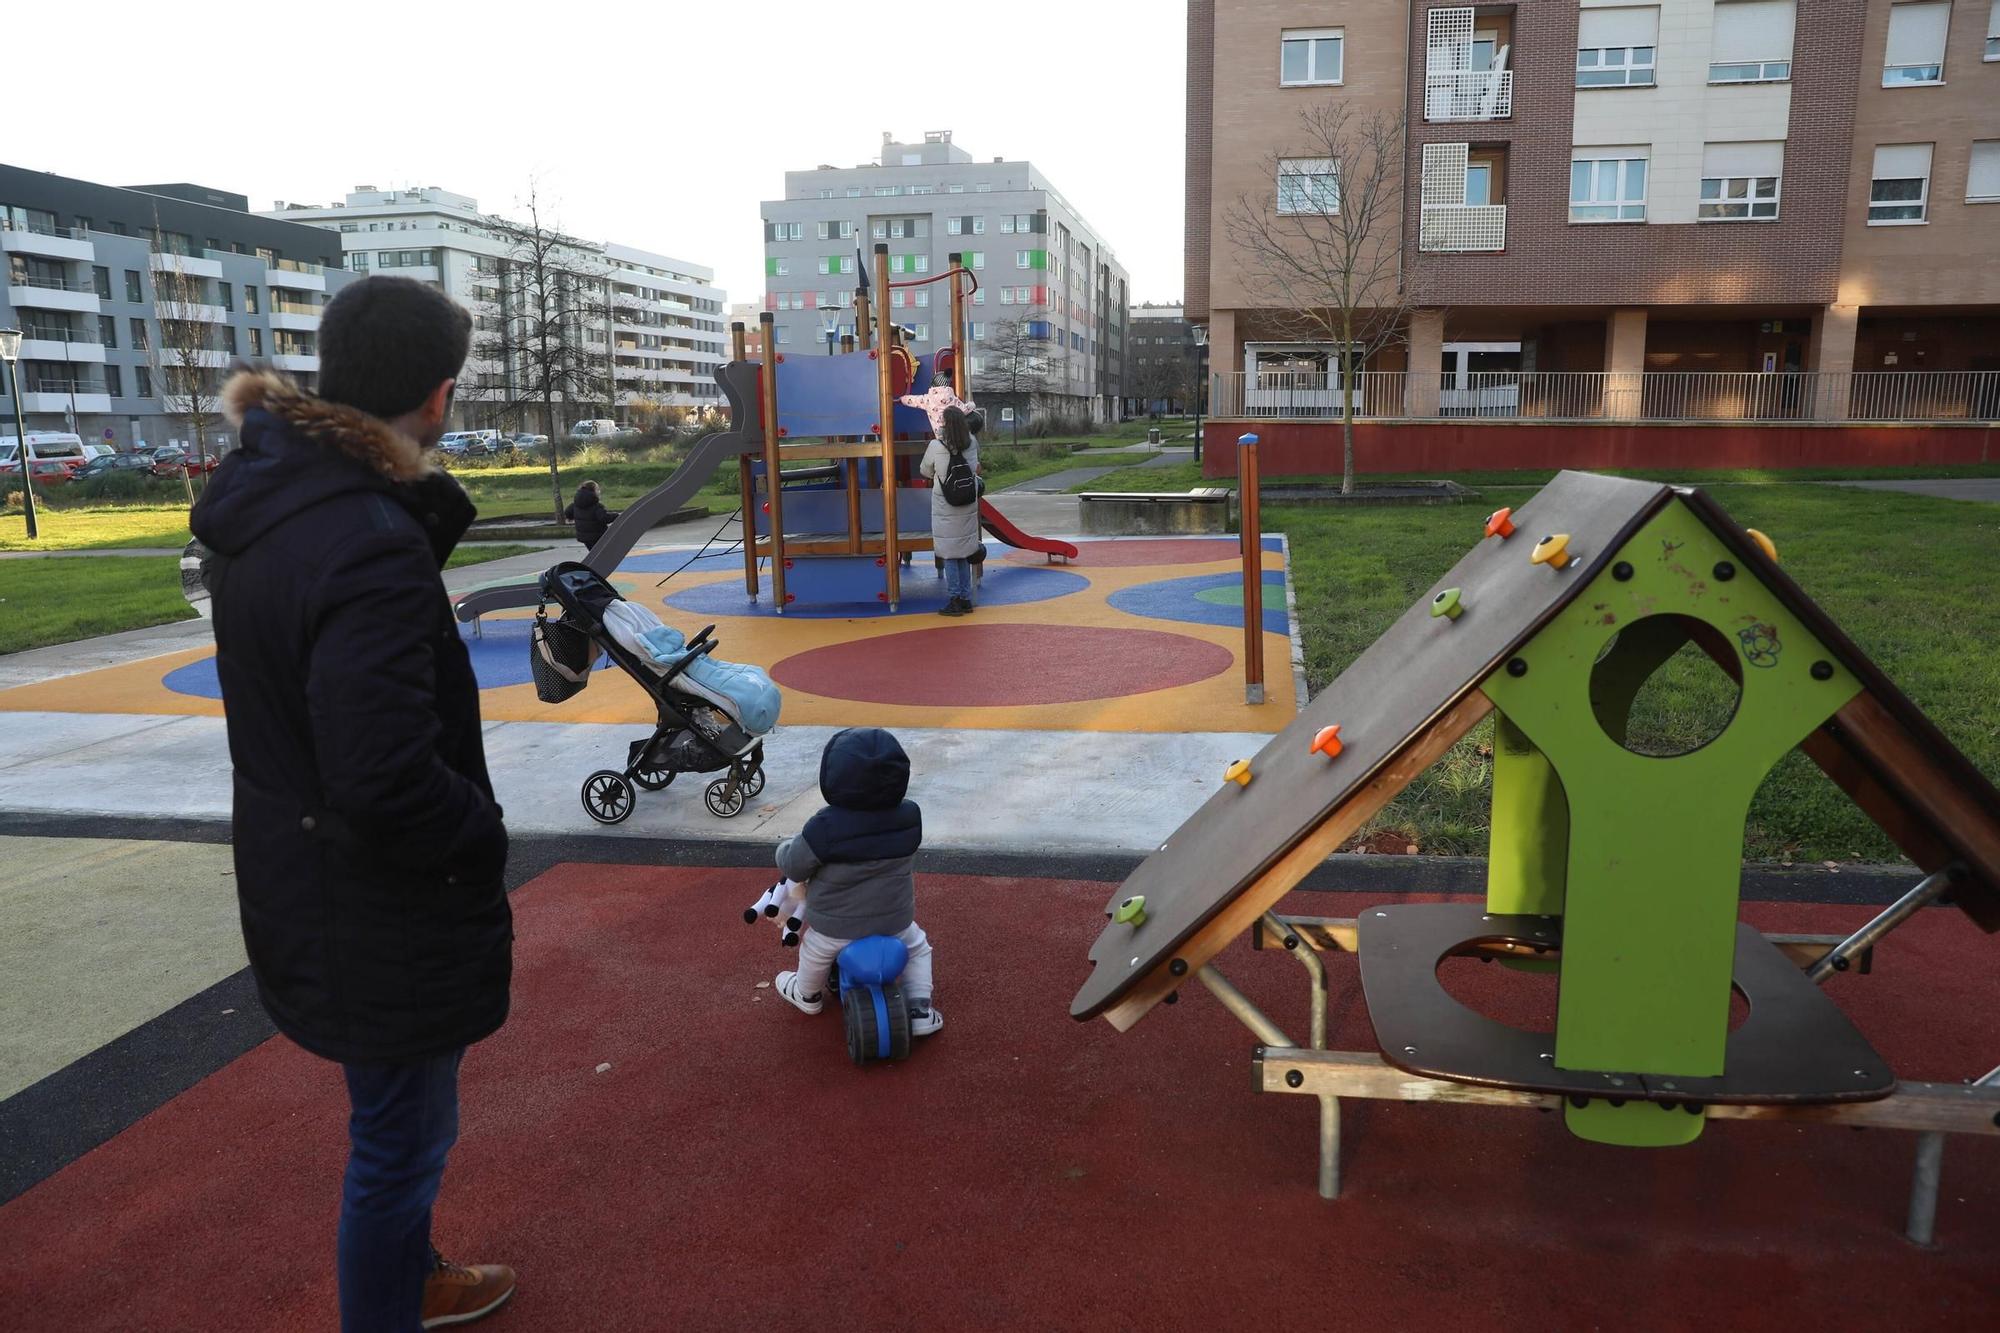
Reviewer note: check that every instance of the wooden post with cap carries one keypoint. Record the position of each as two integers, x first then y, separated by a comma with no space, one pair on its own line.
892,561
1253,570
746,481
959,370
861,329
773,492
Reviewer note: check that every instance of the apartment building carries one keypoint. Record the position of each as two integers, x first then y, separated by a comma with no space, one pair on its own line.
1044,272
1162,361
1755,210
655,321
90,270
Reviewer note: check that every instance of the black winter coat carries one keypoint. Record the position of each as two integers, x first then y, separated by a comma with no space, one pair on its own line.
590,516
369,849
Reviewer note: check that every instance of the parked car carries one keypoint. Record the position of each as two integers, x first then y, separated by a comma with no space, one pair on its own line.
132,462
60,447
469,443
93,452
172,462
522,442
599,428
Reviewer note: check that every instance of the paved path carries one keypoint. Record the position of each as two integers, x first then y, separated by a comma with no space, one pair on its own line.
1985,489
1057,483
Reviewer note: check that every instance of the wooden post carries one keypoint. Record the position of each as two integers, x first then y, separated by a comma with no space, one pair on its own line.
846,342
737,348
861,329
892,556
959,373
1253,570
773,489
852,468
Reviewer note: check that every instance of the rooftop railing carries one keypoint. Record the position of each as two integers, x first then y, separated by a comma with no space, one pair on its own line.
1750,396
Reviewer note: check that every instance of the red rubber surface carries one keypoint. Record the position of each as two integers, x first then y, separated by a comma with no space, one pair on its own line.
733,1171
1116,554
991,666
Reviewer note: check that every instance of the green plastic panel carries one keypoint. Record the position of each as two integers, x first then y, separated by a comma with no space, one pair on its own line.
1656,844
1527,860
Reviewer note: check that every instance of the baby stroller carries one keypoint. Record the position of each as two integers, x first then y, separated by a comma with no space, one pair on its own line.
712,714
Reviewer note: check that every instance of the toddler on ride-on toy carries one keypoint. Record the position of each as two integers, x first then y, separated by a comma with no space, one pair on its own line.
857,859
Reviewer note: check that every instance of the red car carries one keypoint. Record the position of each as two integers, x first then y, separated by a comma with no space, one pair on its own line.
48,471
177,463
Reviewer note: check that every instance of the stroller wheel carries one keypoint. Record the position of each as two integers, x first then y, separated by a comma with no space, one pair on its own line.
607,797
653,779
720,800
753,785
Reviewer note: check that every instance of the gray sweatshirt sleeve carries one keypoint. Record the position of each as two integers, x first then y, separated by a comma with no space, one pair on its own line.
796,859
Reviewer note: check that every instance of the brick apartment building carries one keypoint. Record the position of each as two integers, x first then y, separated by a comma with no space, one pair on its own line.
1722,211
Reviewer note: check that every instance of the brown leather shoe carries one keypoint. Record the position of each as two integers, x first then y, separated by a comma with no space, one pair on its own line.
461,1293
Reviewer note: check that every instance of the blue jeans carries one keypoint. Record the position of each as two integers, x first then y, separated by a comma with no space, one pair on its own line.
958,578
404,1121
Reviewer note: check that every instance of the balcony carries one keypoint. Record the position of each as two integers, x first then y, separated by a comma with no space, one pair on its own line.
295,361
1583,396
66,243
195,312
296,275
192,266
46,344
1463,228
29,291
56,395
288,318
1468,94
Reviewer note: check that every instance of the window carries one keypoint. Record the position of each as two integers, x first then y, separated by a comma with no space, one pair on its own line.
1739,181
920,263
898,298
880,231
142,381
1993,32
229,339
884,191
920,333
954,226
100,281
1309,56
854,192
256,342
135,290
923,189
1615,47
138,333
1021,258
1308,185
1915,50
249,300
921,297
358,261
114,381
975,259
1752,41
107,330
1899,188
976,331
228,295
1982,177
1607,185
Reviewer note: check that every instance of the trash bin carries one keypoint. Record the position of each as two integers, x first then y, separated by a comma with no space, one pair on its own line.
1153,435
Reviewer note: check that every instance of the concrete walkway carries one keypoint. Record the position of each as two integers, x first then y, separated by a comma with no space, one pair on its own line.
1057,483
1985,489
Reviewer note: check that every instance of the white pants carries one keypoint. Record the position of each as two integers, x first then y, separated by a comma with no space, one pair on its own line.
817,952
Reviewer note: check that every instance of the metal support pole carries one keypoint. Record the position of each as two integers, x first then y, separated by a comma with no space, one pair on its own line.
1329,1105
1239,1004
1921,1223
1928,890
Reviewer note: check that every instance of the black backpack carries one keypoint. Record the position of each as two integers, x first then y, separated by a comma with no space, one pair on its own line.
960,484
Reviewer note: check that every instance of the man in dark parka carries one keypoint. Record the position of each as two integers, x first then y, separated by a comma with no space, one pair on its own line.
369,849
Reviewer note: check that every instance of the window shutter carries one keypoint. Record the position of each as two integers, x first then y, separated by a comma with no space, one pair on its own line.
1902,161
1916,33
1753,31
1982,180
1444,171
1619,27
1448,39
1742,159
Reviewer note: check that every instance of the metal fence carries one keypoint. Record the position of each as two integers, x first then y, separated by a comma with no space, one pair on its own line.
1941,395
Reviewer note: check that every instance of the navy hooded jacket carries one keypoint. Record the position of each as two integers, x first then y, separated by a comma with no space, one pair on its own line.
859,852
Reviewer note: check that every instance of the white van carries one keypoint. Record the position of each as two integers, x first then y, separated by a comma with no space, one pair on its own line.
43,446
597,429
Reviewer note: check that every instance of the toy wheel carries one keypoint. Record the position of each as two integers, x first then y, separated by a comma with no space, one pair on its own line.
721,802
653,779
753,785
607,797
865,1037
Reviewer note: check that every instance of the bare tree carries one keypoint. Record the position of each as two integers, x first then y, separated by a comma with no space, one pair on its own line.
534,353
1322,255
185,356
1017,363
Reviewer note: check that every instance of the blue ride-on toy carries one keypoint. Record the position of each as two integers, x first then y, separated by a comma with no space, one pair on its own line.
872,1004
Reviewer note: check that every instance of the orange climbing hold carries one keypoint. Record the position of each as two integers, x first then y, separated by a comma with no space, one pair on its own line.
1326,741
1500,523
1764,544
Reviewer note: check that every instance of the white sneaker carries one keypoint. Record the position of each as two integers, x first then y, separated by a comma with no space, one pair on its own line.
788,987
925,1021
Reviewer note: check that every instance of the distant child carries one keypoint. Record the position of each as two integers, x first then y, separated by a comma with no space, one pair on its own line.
857,857
587,511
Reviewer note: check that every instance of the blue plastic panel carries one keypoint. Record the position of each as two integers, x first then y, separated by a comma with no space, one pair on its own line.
822,579
839,395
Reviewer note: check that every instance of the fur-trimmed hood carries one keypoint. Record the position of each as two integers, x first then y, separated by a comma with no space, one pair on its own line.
353,432
298,450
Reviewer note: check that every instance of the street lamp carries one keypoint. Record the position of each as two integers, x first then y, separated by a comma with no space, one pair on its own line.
1200,382
10,349
832,334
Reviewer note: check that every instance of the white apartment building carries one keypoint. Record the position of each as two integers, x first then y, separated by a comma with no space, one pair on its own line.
1037,259
658,325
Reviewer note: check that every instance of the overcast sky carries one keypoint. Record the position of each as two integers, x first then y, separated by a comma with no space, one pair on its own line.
659,125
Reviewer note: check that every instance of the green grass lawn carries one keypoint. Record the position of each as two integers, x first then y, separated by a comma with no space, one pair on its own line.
100,528
65,598
1904,575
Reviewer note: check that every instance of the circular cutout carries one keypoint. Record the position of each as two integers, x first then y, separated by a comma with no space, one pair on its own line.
1665,686
998,666
1522,996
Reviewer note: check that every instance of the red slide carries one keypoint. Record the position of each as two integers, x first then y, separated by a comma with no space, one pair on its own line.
996,523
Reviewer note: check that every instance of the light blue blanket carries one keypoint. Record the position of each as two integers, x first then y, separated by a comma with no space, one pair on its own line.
752,697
